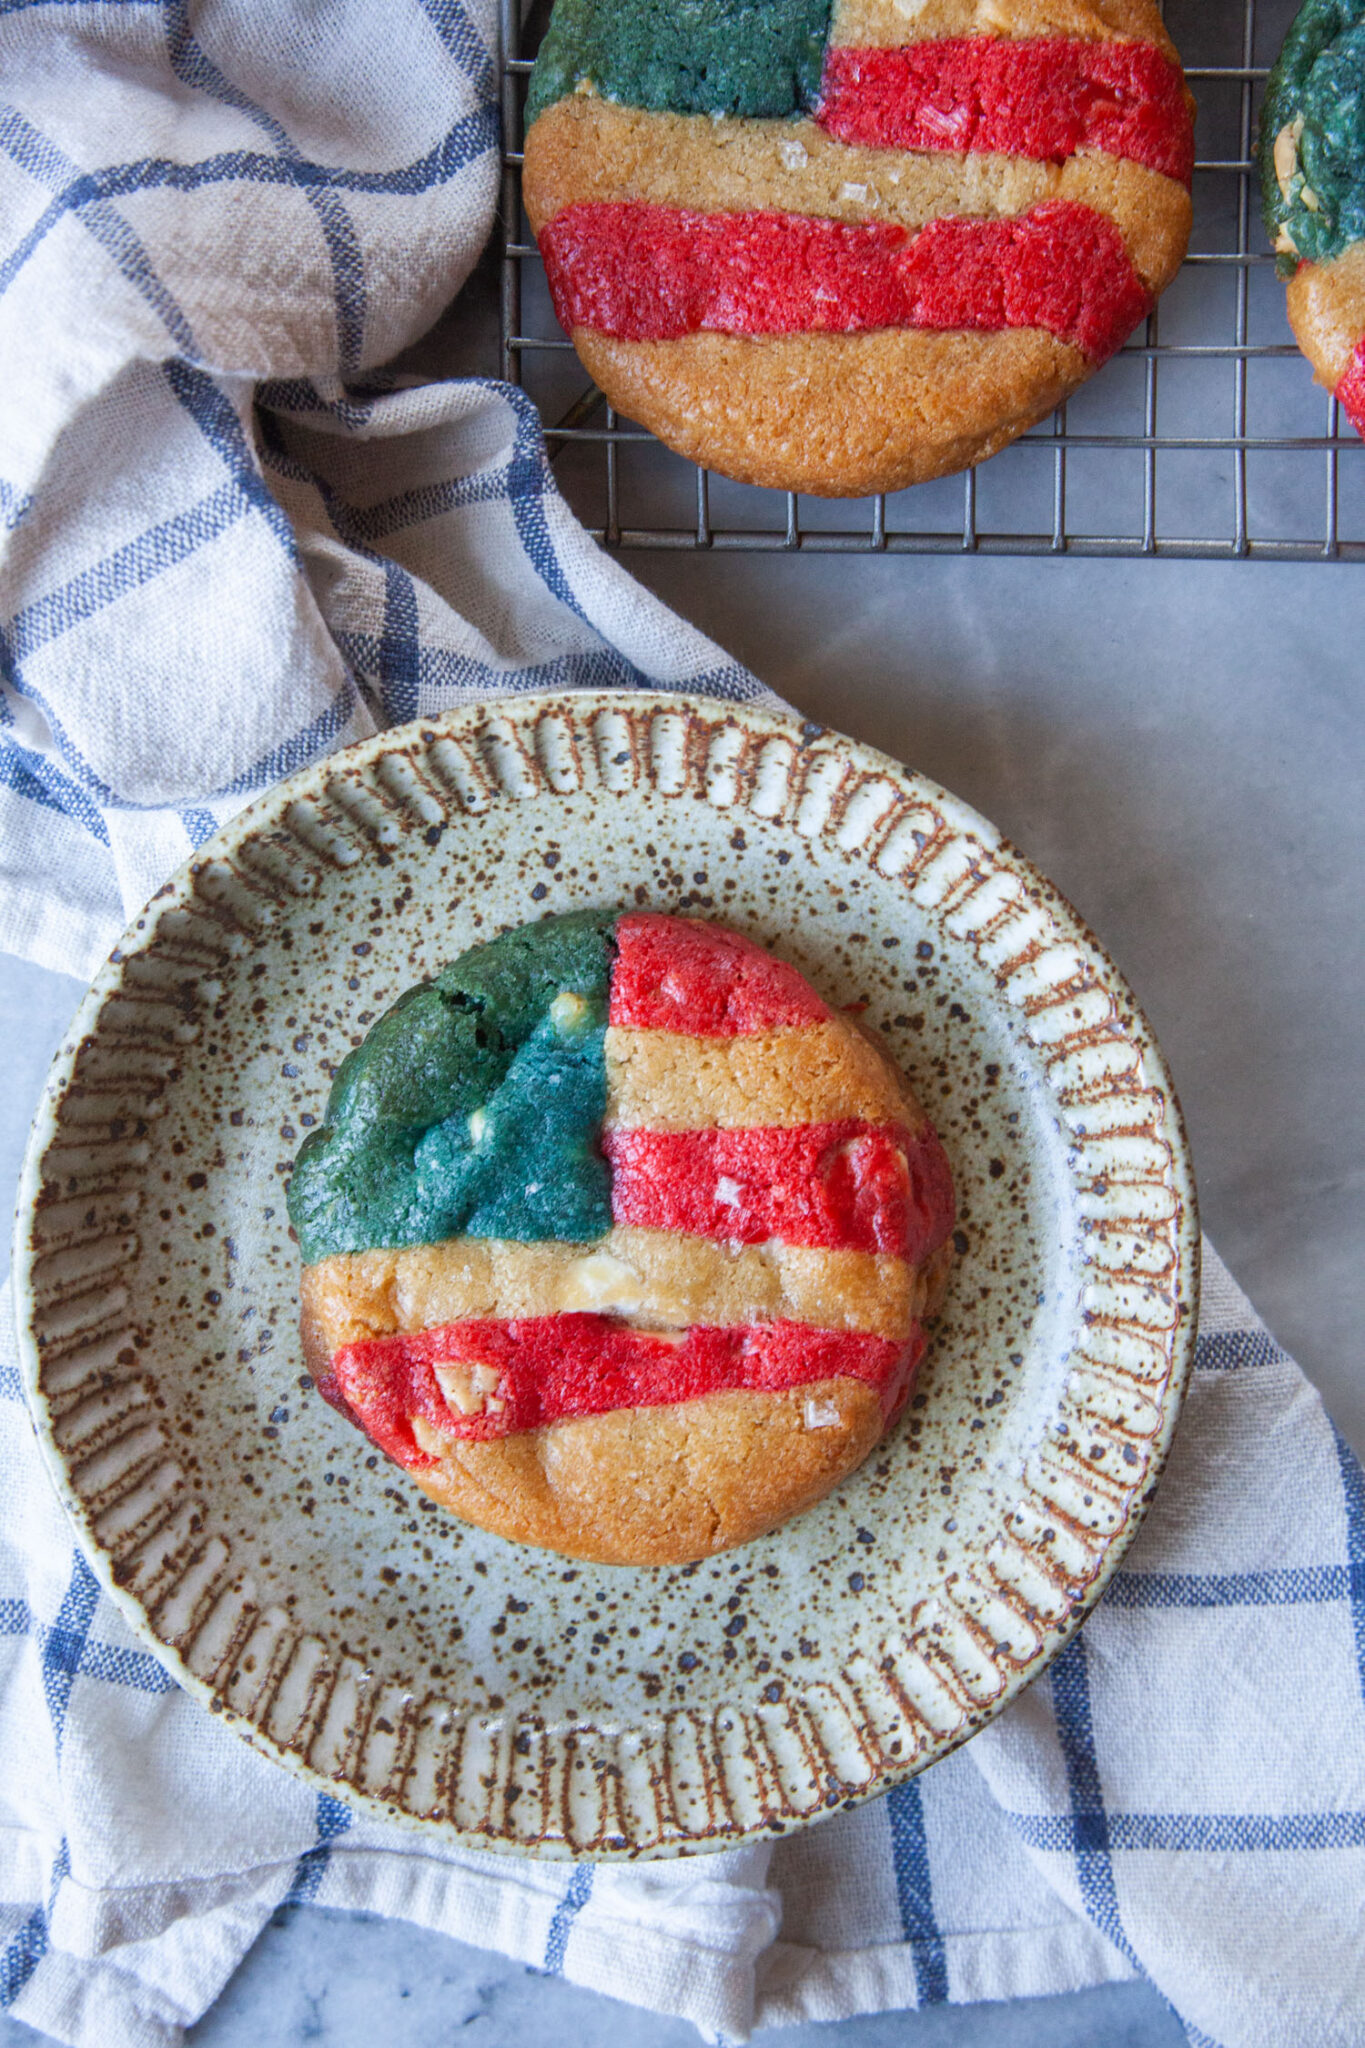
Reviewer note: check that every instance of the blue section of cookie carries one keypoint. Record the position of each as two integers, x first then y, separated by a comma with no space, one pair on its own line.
474,1104
1312,146
753,58
526,1163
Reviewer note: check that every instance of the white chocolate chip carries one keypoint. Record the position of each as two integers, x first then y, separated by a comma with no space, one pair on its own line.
727,1191
1310,198
568,1012
1286,154
478,1125
794,155
601,1282
428,1438
468,1388
1285,245
857,193
821,1415
453,1379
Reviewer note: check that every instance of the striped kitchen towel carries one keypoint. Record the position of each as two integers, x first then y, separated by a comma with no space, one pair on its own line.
230,542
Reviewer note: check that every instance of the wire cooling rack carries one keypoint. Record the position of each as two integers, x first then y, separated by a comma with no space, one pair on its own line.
1205,436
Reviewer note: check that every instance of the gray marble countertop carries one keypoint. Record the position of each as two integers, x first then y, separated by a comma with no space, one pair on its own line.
1179,746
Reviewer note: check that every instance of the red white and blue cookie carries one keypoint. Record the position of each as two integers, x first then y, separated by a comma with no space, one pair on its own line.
1313,190
842,246
619,1239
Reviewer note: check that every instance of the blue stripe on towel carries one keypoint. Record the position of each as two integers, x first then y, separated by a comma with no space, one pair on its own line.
1353,1491
566,1912
1089,1822
332,1820
915,1892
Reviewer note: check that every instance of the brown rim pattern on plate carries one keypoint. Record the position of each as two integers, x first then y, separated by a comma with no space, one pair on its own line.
1044,1456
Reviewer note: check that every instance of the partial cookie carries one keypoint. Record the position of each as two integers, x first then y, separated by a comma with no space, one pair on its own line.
1313,184
619,1240
845,248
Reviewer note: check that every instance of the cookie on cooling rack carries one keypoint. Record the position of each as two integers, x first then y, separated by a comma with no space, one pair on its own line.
1313,182
619,1239
846,247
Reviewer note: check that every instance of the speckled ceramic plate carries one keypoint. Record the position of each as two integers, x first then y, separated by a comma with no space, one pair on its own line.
300,1585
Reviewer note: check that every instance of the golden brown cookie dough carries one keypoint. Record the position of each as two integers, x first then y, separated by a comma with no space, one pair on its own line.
853,399
1327,312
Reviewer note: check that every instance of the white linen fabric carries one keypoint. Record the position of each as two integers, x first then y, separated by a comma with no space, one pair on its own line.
229,543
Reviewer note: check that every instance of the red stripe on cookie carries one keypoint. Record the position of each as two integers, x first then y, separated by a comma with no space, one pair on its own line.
673,975
1043,98
844,1186
547,1368
655,273
1350,392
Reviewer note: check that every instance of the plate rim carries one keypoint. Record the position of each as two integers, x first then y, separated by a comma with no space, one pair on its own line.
179,891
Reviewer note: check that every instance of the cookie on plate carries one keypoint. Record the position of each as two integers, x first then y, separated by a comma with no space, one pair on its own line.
841,246
619,1239
1313,184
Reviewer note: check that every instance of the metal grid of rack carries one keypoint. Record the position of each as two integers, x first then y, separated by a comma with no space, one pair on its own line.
1205,436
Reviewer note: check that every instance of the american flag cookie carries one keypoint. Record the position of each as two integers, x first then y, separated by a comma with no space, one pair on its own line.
1313,183
619,1239
846,247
